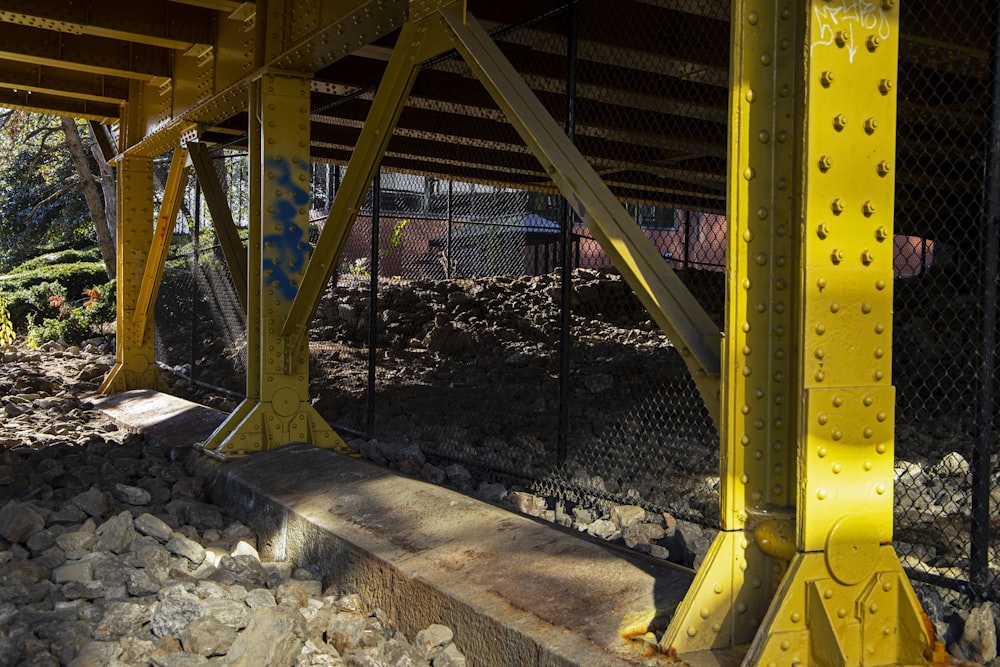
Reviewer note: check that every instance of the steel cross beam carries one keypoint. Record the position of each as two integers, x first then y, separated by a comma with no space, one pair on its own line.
173,194
803,567
434,27
222,218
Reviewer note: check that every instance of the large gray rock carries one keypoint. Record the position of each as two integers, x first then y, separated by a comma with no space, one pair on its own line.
186,548
97,654
174,612
121,619
431,640
91,501
19,521
450,656
80,570
115,534
345,630
77,543
273,638
131,495
231,613
979,638
207,636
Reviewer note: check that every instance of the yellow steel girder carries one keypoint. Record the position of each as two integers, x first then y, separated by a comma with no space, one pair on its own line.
277,410
135,355
803,566
173,194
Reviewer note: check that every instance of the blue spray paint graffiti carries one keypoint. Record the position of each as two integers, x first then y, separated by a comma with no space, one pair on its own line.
288,251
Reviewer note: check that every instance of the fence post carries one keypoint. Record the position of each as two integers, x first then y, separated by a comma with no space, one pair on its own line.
979,549
449,261
373,300
194,275
566,243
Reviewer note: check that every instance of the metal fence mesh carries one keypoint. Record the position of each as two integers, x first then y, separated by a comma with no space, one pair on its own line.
469,346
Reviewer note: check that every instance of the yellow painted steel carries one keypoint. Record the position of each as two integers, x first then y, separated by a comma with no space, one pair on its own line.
277,410
135,357
668,301
418,41
803,566
173,194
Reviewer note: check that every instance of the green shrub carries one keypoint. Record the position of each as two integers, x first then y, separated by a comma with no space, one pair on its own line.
6,326
28,292
71,256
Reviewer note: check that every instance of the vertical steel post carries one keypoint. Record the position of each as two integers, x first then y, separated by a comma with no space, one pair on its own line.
566,244
373,301
277,410
196,249
449,261
986,400
135,356
804,565
687,238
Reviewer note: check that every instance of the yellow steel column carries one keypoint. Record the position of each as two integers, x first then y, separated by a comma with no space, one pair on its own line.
135,356
277,409
804,565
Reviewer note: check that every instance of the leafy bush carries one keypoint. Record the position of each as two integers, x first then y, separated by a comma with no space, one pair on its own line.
69,256
73,323
27,292
6,327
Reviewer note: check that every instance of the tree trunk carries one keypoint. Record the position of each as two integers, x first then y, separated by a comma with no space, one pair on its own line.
109,187
94,200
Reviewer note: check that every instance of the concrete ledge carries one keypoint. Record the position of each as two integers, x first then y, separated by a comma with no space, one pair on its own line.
517,592
166,421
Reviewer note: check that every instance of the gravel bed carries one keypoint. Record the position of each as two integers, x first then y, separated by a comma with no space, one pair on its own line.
111,554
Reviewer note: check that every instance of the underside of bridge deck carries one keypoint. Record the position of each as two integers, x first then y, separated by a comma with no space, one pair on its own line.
783,116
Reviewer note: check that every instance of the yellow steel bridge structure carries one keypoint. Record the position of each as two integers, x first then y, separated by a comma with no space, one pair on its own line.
800,381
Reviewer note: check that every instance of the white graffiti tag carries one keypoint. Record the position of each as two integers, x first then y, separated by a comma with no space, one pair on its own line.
836,23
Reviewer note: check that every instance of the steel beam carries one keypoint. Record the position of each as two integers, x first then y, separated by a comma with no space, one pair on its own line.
63,82
156,258
668,301
135,356
154,22
417,42
222,218
85,53
277,410
804,566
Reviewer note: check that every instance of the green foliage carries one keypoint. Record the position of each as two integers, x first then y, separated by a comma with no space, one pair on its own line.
39,206
396,240
69,256
66,291
71,329
73,323
359,268
7,335
28,291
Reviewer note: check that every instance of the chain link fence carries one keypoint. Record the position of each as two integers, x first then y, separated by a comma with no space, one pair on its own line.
474,317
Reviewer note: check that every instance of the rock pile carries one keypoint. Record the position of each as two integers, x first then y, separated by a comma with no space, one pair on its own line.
111,555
